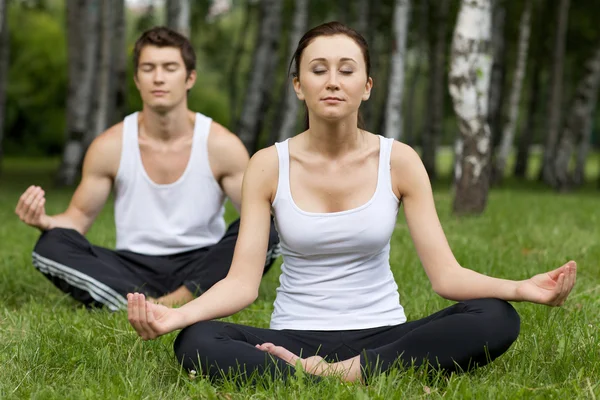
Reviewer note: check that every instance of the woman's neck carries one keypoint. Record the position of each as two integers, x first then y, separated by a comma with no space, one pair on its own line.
334,138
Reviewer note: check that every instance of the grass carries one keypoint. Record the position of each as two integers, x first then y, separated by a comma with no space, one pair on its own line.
52,348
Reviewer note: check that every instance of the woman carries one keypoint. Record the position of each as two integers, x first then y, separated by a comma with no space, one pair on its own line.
334,191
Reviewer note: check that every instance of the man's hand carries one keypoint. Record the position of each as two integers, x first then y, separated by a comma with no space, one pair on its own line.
31,208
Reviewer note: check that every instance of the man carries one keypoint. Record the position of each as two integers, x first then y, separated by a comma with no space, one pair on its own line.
171,170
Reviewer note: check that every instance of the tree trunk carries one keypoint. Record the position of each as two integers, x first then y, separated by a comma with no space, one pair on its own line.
585,144
178,16
578,122
529,124
368,108
85,31
104,100
362,20
286,128
421,50
119,64
553,115
469,87
436,89
508,132
393,111
234,66
263,63
498,76
4,55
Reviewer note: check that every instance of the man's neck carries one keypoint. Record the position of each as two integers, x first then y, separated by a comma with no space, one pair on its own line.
174,124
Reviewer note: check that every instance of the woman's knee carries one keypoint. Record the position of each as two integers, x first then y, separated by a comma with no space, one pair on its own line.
500,316
194,342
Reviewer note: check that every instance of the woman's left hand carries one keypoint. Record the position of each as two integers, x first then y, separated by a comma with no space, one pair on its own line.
550,288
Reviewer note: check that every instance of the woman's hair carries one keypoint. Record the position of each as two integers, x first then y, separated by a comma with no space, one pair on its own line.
329,29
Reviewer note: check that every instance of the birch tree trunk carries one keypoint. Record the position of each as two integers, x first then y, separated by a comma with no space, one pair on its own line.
469,84
393,110
508,132
105,61
498,76
553,115
368,108
263,63
436,90
178,16
4,55
85,31
119,64
291,103
578,122
238,50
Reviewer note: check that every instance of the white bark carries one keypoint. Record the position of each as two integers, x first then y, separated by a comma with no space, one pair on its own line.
469,78
508,132
291,102
178,16
260,78
86,27
104,72
553,113
393,112
578,122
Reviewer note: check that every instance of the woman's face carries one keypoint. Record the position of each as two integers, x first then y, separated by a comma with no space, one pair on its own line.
332,77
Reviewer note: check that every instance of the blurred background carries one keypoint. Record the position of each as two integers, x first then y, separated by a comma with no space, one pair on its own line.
66,75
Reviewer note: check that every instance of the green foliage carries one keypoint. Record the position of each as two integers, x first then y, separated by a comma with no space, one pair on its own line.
37,81
52,348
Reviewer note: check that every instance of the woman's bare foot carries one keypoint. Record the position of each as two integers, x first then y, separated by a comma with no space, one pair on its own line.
348,370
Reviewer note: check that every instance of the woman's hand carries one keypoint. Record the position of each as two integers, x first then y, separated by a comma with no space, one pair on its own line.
550,288
152,320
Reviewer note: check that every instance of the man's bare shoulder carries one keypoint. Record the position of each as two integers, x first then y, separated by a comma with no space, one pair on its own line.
225,142
104,153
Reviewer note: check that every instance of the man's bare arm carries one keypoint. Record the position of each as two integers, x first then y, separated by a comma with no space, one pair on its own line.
99,169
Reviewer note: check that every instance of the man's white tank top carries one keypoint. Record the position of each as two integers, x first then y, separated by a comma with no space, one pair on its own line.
164,219
336,273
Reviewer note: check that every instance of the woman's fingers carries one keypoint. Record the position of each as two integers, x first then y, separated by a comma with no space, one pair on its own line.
560,285
570,278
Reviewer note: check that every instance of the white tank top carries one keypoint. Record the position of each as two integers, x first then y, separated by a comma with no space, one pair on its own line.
163,219
336,273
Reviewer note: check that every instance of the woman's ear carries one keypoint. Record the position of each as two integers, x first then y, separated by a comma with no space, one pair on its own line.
297,88
368,88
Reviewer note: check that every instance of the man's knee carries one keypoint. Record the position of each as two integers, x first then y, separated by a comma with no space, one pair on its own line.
53,243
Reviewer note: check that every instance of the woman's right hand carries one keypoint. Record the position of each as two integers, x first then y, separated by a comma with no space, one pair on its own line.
152,320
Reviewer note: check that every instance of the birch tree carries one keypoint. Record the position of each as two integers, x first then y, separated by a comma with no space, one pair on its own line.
508,131
83,38
578,122
553,114
263,65
469,82
436,90
4,55
290,100
178,16
393,111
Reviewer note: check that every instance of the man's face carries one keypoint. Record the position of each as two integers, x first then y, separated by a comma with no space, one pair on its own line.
161,77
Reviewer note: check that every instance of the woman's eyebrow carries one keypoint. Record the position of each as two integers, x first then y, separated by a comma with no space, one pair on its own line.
341,59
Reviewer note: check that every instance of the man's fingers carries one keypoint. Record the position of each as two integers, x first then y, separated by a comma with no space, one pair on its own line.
32,209
141,314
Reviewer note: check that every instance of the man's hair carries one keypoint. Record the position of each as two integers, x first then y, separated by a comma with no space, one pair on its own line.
161,36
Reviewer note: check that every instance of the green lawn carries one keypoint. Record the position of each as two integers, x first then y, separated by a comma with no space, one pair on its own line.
52,348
